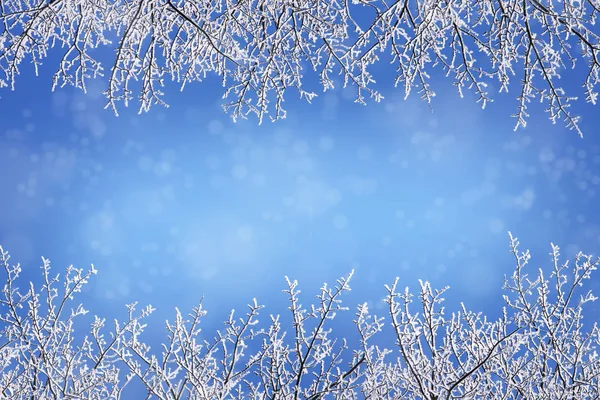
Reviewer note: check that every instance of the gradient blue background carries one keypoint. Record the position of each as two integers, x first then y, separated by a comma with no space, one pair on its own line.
182,202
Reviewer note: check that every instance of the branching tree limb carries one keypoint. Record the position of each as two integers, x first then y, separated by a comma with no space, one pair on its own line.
539,348
260,49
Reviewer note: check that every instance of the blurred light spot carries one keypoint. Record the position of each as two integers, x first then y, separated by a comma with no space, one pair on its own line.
257,153
360,186
259,180
300,147
282,137
340,221
217,181
334,196
239,172
326,143
162,169
364,153
145,163
245,233
496,225
188,181
208,273
215,127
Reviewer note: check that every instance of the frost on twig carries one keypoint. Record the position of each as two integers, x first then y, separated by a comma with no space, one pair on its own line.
539,348
261,49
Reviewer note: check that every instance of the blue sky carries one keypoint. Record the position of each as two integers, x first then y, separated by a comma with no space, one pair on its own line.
182,202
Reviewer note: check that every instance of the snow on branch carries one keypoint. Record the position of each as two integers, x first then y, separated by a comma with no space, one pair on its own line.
539,348
260,49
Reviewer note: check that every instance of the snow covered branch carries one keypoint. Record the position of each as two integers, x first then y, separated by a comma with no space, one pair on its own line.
539,348
260,49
